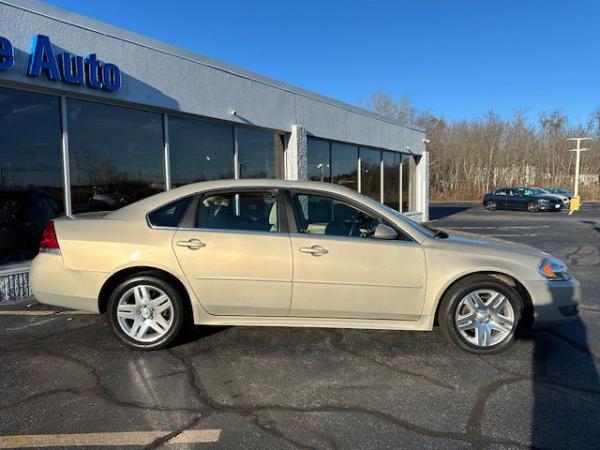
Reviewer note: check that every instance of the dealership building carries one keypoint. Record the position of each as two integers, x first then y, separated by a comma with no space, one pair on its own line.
93,117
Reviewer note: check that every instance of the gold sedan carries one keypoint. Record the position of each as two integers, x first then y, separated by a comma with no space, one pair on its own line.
286,253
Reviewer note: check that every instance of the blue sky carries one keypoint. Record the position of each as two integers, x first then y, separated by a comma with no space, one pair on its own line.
457,59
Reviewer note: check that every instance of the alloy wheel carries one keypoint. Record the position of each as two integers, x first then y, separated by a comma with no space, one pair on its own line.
145,313
484,318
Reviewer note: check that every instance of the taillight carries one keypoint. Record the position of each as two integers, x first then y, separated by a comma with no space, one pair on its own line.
49,243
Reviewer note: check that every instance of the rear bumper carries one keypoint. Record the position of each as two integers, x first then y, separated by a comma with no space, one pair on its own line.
554,302
52,283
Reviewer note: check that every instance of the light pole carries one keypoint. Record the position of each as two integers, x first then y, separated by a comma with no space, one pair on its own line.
575,200
577,159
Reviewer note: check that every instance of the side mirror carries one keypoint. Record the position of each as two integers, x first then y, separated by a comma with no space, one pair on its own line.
384,232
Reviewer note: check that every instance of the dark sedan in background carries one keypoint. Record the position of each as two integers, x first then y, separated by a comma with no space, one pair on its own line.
561,191
527,199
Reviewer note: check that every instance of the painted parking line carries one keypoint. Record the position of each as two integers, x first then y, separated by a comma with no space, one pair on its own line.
118,439
27,313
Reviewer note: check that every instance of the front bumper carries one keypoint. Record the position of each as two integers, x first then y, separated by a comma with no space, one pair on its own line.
549,207
554,302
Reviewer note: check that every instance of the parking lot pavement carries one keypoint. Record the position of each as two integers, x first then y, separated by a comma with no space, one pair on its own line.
64,375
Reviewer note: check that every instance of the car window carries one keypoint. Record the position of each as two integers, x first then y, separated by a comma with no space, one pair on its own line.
244,211
330,217
169,215
502,192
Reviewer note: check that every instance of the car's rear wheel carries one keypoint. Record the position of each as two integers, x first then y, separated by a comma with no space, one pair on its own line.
145,312
481,314
533,207
492,206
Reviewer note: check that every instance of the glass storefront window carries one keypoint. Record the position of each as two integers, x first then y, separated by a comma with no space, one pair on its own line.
260,154
408,171
115,154
370,172
344,165
30,147
318,160
31,191
391,179
199,150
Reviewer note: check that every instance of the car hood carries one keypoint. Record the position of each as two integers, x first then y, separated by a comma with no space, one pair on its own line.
479,244
549,197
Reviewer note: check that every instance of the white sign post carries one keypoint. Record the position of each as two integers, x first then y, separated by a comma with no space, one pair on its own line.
575,200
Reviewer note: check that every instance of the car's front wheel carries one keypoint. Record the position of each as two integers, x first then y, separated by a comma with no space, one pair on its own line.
533,207
481,314
145,312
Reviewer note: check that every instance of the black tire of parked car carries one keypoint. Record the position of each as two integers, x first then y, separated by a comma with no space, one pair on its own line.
492,206
458,291
533,207
152,280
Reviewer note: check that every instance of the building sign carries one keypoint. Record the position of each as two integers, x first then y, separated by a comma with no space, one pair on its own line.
7,54
66,67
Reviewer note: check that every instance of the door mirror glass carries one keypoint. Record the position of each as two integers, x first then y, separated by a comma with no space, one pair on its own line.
385,232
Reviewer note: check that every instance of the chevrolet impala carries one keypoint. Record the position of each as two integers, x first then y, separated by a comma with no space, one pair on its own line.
290,253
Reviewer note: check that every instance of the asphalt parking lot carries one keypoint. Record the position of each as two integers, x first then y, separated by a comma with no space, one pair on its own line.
65,380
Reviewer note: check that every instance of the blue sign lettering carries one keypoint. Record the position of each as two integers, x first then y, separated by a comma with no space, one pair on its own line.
70,68
42,59
7,54
92,70
111,78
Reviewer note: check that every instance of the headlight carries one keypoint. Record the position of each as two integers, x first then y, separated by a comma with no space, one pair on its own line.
553,269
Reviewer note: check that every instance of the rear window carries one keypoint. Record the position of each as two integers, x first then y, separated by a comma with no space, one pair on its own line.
169,215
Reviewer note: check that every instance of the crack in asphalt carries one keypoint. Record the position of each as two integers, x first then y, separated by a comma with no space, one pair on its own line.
472,435
251,410
159,442
337,344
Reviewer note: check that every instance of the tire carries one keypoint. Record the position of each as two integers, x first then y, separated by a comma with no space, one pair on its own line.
145,312
481,332
533,207
492,206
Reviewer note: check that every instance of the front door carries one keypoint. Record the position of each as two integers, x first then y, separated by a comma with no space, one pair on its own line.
340,271
235,255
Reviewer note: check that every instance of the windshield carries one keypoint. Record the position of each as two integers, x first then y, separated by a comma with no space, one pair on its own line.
426,230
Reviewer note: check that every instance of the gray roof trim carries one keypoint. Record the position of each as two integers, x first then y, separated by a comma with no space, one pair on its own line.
52,12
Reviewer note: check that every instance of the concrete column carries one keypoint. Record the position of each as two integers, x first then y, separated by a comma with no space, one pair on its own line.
422,186
296,154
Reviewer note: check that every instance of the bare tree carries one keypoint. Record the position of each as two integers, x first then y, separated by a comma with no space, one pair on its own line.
470,157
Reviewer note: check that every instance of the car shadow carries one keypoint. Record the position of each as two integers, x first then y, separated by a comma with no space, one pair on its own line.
445,210
566,389
595,225
192,333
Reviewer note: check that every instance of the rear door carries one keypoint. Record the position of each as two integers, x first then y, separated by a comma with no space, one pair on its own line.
515,200
340,271
500,197
235,252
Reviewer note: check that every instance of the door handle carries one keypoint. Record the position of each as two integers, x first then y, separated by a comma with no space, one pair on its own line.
315,250
192,244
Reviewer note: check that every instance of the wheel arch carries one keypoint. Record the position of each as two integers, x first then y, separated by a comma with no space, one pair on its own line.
527,316
123,274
